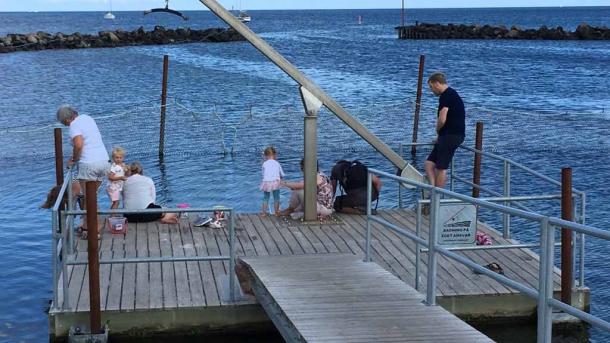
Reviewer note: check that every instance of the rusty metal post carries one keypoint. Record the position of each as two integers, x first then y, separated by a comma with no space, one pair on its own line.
163,105
95,318
476,172
59,157
420,81
566,236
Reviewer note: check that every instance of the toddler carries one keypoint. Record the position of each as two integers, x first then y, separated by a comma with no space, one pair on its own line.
116,176
272,176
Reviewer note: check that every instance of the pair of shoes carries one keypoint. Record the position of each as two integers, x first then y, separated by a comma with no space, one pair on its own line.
219,215
216,224
494,267
202,221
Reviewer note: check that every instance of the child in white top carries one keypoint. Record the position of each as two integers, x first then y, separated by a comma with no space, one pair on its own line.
272,176
116,176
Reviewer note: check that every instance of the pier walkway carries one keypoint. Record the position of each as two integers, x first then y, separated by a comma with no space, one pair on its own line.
195,293
340,298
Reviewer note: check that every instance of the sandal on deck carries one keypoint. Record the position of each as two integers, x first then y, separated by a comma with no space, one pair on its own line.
494,267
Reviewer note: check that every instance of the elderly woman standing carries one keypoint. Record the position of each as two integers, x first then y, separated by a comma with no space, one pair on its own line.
139,193
88,152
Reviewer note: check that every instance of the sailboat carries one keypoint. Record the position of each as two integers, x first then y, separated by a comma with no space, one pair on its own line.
243,16
109,15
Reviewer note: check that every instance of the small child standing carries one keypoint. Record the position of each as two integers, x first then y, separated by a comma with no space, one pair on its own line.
272,176
116,176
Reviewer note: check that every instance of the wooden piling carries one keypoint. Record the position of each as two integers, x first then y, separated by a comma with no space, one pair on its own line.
476,172
163,105
95,318
59,157
566,237
420,81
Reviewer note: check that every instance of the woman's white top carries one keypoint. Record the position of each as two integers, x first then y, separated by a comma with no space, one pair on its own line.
138,192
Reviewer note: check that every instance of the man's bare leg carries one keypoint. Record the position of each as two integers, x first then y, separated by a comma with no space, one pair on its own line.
441,177
83,184
430,168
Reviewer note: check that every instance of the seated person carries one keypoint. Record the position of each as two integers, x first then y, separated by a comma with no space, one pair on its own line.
351,179
297,197
139,193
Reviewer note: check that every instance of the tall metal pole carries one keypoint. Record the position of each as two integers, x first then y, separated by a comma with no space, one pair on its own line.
311,166
476,172
59,157
302,80
420,81
402,15
163,105
566,237
95,317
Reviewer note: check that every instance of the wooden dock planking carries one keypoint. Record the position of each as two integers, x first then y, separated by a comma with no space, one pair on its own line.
340,298
168,285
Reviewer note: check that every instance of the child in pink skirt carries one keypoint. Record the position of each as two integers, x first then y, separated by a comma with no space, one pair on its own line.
272,176
116,176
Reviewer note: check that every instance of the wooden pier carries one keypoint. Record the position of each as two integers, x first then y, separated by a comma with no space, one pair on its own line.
193,296
340,298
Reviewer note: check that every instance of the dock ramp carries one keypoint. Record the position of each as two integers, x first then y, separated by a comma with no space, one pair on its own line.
340,298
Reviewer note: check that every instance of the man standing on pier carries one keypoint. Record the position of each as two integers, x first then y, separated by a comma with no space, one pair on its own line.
88,151
450,129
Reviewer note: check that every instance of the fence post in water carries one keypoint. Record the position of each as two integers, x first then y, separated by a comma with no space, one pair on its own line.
310,169
163,105
566,236
420,81
59,157
476,172
95,318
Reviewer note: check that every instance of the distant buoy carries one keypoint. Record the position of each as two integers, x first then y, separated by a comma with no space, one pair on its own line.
359,20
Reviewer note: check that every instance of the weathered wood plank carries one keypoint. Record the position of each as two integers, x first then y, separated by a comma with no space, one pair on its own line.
143,286
170,298
116,275
155,275
182,278
210,288
194,274
128,291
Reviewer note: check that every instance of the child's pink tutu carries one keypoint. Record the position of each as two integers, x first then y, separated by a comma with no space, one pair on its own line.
270,186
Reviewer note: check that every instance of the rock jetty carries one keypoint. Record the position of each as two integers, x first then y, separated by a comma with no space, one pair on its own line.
109,39
452,31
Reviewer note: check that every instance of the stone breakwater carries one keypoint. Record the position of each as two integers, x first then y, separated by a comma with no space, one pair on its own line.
452,31
108,39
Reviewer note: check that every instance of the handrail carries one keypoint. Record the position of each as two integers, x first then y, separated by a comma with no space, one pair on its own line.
544,294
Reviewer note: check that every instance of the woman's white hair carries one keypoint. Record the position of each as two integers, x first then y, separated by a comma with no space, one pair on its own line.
65,112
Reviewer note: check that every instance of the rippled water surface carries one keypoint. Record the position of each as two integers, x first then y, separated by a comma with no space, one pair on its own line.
544,104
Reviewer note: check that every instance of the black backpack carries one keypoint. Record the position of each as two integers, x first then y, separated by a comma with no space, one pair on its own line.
354,175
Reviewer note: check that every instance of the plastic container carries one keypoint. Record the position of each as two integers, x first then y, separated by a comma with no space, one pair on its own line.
117,225
183,206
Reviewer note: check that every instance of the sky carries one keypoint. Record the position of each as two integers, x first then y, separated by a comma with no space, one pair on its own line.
138,5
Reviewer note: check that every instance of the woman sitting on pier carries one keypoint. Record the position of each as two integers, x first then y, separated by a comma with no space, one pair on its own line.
297,197
139,193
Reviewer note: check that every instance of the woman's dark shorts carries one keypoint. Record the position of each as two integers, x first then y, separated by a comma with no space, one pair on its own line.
443,151
144,217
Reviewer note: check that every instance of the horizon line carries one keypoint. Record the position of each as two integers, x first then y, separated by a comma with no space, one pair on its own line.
321,9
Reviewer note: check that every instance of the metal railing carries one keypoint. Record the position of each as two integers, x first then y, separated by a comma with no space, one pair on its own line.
63,243
548,225
510,200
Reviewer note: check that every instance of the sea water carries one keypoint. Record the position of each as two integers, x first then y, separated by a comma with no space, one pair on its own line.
543,103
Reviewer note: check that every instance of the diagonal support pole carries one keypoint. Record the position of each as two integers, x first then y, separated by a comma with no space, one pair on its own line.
302,80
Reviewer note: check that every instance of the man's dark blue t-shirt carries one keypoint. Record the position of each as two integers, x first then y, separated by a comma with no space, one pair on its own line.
456,116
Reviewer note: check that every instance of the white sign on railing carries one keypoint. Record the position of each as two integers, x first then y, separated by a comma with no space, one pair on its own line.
457,224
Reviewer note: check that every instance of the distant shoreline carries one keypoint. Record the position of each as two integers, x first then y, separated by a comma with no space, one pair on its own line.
110,39
321,9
